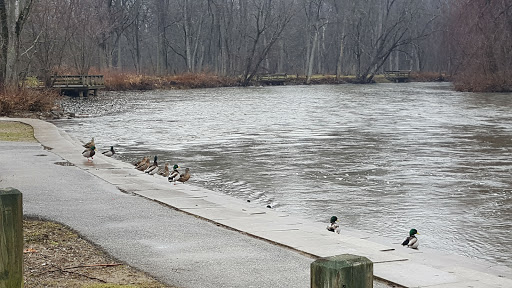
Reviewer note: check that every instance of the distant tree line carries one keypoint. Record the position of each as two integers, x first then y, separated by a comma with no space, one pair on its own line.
246,37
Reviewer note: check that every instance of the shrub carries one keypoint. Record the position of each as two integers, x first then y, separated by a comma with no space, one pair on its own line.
20,100
130,81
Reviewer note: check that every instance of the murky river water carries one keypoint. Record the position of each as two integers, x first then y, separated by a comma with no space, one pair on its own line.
384,158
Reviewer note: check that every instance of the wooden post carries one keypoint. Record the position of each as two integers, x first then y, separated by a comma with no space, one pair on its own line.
11,238
342,271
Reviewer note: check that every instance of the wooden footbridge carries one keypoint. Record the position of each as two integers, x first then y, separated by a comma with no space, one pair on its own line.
272,79
78,85
398,75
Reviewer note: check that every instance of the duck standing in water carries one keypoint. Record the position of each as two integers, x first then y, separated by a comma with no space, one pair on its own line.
89,144
333,225
110,152
152,169
185,176
412,241
89,152
175,174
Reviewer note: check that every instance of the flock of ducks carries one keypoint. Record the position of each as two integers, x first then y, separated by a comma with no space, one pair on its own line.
144,164
147,167
411,241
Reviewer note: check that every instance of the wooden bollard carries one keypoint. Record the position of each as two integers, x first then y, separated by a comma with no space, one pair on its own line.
11,238
342,271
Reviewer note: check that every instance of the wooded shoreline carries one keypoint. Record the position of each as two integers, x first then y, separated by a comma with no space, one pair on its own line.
26,102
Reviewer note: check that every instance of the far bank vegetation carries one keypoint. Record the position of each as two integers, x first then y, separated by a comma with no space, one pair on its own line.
167,44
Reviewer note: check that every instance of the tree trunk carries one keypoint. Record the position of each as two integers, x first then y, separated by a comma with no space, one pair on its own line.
311,57
13,15
186,29
161,43
4,30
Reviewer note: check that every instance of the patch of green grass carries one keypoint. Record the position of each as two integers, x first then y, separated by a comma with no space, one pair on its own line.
15,131
107,285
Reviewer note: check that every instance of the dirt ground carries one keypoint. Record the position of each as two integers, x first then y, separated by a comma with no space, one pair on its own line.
56,256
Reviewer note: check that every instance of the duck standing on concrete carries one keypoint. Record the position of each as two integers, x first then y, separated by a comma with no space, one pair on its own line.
90,143
412,241
164,171
333,225
153,168
140,162
144,165
185,176
109,153
175,174
89,152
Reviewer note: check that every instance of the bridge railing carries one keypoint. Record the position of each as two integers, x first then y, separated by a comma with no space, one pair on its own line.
78,81
397,75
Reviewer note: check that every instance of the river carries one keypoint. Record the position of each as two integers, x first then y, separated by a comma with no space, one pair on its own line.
384,158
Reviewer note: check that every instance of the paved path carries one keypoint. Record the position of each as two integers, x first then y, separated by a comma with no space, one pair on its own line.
188,236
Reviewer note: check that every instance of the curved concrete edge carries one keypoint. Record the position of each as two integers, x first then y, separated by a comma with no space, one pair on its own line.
392,262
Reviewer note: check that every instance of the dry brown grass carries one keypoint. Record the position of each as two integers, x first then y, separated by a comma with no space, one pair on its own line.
56,256
131,81
428,77
18,100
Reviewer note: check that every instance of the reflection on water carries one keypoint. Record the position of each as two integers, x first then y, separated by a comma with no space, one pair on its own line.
384,158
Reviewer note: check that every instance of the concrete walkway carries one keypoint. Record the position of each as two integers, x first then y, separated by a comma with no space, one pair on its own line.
208,239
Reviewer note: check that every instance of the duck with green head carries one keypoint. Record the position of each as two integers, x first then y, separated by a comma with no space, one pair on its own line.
412,241
333,225
175,174
89,152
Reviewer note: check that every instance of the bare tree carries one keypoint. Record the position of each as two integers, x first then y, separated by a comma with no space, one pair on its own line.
235,37
50,32
270,18
13,15
313,11
482,38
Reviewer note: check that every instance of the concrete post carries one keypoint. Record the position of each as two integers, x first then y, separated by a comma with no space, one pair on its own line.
342,271
11,238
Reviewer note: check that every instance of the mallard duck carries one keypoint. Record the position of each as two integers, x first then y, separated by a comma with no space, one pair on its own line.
333,225
185,176
164,171
89,152
110,152
153,168
175,174
144,165
90,143
412,241
136,164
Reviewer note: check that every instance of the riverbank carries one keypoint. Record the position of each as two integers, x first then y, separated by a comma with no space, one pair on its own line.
126,81
391,261
43,104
